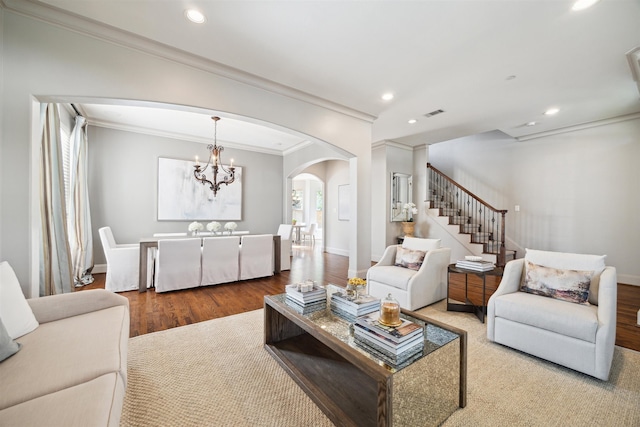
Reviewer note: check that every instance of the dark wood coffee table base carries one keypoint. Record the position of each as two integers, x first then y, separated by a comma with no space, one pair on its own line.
354,390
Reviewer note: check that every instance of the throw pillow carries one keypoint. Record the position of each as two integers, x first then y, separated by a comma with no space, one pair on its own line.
14,309
8,347
566,285
420,244
409,259
570,261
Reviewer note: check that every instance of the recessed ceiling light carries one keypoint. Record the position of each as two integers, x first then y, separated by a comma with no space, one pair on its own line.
387,96
195,16
412,121
551,111
532,124
583,4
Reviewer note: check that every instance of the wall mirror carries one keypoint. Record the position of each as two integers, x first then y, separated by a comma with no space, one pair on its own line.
400,194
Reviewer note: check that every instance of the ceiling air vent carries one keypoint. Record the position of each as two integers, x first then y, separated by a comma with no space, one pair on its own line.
434,113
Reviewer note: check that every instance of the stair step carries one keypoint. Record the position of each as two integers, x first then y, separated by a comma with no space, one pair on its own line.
450,212
440,204
470,228
482,237
458,220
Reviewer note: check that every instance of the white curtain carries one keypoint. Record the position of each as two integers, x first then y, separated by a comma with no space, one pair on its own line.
78,213
55,265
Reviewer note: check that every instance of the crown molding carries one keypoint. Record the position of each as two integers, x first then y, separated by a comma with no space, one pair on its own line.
580,127
180,136
389,143
81,25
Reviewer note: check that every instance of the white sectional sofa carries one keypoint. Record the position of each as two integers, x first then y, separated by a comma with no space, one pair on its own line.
71,370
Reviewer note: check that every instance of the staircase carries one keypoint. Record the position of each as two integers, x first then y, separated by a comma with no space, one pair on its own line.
480,227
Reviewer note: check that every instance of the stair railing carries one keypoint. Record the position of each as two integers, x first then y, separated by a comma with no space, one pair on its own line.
485,223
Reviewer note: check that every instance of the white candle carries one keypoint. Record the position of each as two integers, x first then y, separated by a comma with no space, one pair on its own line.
231,163
197,163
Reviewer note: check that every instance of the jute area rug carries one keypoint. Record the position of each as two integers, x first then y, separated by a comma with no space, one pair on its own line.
216,373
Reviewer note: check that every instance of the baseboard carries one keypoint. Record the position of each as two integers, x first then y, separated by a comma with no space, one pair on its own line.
337,251
628,279
99,268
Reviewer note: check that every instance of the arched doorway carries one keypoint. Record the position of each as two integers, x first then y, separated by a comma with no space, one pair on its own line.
307,202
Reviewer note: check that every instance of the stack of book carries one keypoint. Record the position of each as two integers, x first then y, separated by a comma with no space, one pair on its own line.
394,345
307,301
350,310
475,265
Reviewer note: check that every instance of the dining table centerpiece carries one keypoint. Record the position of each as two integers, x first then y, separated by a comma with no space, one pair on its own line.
195,227
230,227
214,226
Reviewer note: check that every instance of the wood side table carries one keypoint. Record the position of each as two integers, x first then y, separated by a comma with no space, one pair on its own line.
470,290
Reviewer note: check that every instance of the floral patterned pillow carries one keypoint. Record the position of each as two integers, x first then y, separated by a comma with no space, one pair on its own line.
566,285
408,258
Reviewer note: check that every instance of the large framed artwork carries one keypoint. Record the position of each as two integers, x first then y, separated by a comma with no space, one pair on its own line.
181,197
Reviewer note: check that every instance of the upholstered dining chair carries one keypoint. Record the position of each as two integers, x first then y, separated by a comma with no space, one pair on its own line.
178,264
256,256
122,262
285,231
310,232
220,260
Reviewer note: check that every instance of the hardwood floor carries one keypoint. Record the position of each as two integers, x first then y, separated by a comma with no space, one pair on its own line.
151,312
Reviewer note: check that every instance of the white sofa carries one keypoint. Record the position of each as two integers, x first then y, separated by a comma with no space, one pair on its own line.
413,289
580,336
71,369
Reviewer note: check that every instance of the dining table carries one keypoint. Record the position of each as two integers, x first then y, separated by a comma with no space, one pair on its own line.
296,231
147,243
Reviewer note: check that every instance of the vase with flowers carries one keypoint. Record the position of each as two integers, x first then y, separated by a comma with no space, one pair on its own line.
354,287
230,227
408,226
195,227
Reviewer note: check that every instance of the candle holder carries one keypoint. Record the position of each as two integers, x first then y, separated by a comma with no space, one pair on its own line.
390,312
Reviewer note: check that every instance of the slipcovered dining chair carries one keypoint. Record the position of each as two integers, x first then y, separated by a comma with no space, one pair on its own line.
256,256
220,260
285,231
414,273
122,263
311,232
178,264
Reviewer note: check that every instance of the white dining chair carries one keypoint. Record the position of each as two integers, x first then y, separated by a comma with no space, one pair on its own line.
220,263
178,264
256,256
310,232
122,263
285,231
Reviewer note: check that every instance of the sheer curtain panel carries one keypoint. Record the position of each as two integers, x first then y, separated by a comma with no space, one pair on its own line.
55,264
78,213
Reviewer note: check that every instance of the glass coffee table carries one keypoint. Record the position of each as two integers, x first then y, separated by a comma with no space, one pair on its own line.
354,387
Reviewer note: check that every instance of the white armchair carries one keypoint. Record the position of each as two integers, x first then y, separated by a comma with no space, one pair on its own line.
580,336
412,288
122,263
285,232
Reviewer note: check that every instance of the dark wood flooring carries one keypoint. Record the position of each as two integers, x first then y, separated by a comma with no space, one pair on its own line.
151,312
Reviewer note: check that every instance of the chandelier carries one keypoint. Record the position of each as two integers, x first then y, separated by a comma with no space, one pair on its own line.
215,161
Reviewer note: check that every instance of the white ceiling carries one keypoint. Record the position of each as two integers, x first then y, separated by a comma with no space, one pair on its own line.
489,64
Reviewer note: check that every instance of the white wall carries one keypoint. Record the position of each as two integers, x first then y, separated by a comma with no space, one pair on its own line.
577,191
51,63
123,185
337,233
